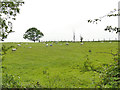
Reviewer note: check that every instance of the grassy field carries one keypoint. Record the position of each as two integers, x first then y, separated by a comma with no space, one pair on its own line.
61,66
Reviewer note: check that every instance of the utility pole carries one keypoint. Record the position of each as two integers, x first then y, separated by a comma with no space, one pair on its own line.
81,38
74,36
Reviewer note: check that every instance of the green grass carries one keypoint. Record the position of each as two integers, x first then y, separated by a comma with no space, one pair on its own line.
58,66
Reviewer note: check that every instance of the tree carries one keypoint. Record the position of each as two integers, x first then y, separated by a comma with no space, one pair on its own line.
8,11
33,34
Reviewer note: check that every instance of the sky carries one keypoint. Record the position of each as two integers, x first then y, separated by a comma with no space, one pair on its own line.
58,19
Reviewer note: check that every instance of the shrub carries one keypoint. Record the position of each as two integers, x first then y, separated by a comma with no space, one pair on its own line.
10,81
110,75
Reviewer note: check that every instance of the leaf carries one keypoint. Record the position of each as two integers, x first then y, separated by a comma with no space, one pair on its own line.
11,13
14,18
18,10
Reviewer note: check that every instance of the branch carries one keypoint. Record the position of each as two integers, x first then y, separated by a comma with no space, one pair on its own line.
110,28
100,18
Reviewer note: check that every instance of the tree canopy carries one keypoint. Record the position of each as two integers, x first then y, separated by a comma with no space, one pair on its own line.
33,34
8,11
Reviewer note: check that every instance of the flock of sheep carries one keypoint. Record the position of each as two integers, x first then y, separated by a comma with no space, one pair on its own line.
60,44
19,45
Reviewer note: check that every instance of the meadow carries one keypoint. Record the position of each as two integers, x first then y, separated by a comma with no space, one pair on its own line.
58,66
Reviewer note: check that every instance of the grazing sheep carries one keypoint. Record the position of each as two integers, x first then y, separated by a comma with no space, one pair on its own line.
67,43
81,44
110,42
29,47
50,44
18,45
60,44
14,49
46,45
90,51
56,42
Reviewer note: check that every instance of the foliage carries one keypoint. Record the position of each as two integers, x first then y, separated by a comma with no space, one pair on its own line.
33,34
108,28
110,74
8,11
4,49
100,18
10,81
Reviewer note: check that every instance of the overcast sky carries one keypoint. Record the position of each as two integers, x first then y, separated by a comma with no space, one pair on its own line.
58,19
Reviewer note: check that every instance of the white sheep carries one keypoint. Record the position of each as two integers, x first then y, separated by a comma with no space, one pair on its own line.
67,43
81,43
29,47
18,45
56,42
46,45
14,49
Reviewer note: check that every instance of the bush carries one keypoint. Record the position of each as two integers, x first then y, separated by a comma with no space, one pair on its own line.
10,81
110,75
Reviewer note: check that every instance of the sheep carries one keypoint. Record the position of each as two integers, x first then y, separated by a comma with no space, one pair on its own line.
67,43
56,42
110,42
46,45
18,45
90,51
14,49
50,44
81,43
29,47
